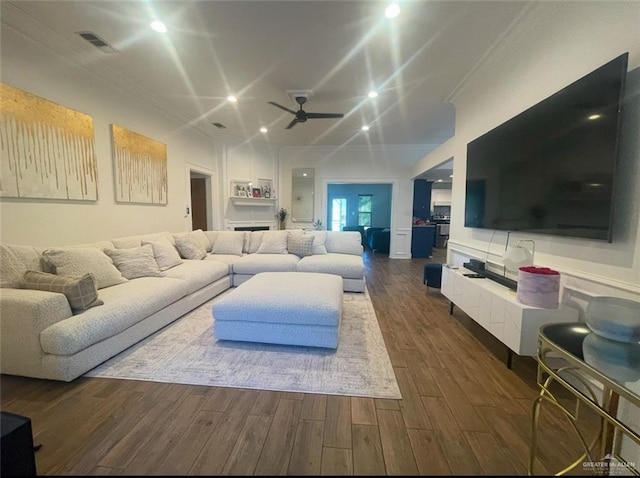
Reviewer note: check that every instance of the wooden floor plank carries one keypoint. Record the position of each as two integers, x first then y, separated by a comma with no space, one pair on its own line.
336,462
245,454
314,406
363,411
306,456
428,452
367,451
276,451
396,446
337,425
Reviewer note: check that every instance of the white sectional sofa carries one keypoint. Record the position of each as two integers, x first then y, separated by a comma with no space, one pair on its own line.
130,287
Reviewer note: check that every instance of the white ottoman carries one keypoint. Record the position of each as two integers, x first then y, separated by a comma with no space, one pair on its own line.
290,308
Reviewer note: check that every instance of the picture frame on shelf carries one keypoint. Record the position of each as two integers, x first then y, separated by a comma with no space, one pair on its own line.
266,188
240,188
257,193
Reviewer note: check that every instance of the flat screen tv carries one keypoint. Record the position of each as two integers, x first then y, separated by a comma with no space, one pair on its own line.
550,169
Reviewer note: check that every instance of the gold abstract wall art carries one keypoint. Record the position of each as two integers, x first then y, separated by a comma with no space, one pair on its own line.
140,167
47,150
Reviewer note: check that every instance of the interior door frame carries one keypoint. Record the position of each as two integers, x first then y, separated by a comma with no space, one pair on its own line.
210,180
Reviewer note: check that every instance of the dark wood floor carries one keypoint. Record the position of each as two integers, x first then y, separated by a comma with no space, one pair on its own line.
462,412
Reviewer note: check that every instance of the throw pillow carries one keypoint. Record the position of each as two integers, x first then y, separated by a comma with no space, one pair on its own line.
165,253
229,242
255,238
273,242
78,261
300,245
189,248
135,262
15,261
201,237
319,241
81,292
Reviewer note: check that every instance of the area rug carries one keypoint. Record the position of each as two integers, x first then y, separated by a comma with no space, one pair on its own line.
186,352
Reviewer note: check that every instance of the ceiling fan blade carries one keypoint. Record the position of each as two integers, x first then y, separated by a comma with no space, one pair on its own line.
294,121
325,115
282,107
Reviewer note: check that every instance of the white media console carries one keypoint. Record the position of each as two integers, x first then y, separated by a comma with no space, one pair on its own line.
495,308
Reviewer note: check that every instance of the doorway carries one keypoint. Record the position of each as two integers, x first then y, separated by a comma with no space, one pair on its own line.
201,199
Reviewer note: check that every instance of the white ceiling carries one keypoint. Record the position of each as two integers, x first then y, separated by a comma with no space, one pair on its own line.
258,50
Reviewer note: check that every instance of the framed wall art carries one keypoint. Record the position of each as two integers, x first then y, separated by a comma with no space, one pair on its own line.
47,150
140,165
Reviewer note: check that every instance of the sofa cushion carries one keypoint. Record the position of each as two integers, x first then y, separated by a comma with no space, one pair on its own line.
211,237
228,259
228,242
81,292
190,248
344,242
201,237
300,245
273,242
255,263
165,253
78,261
124,305
254,240
319,241
348,266
198,274
135,262
15,261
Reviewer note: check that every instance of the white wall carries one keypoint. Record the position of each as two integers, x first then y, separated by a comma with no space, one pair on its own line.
35,69
357,164
31,67
552,46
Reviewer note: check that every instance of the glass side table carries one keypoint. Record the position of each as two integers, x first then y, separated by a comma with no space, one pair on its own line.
601,374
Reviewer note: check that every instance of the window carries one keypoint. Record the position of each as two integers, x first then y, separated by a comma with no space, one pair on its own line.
338,214
364,209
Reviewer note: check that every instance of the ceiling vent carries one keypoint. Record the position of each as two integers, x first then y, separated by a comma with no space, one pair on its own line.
98,42
219,125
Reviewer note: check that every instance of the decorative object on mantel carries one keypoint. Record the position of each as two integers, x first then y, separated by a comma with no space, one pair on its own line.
240,189
282,217
48,150
614,318
538,287
266,188
318,225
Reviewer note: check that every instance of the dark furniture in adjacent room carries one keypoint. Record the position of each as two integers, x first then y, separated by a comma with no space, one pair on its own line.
422,238
18,457
432,275
377,239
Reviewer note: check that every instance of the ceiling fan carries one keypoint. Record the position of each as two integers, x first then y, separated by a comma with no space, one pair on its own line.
302,116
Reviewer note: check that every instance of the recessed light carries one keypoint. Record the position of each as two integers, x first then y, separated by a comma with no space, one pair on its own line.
392,11
158,26
372,94
439,180
594,117
232,99
263,130
451,175
304,174
365,128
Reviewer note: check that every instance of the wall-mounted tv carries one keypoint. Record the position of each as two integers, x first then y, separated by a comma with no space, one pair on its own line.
550,169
